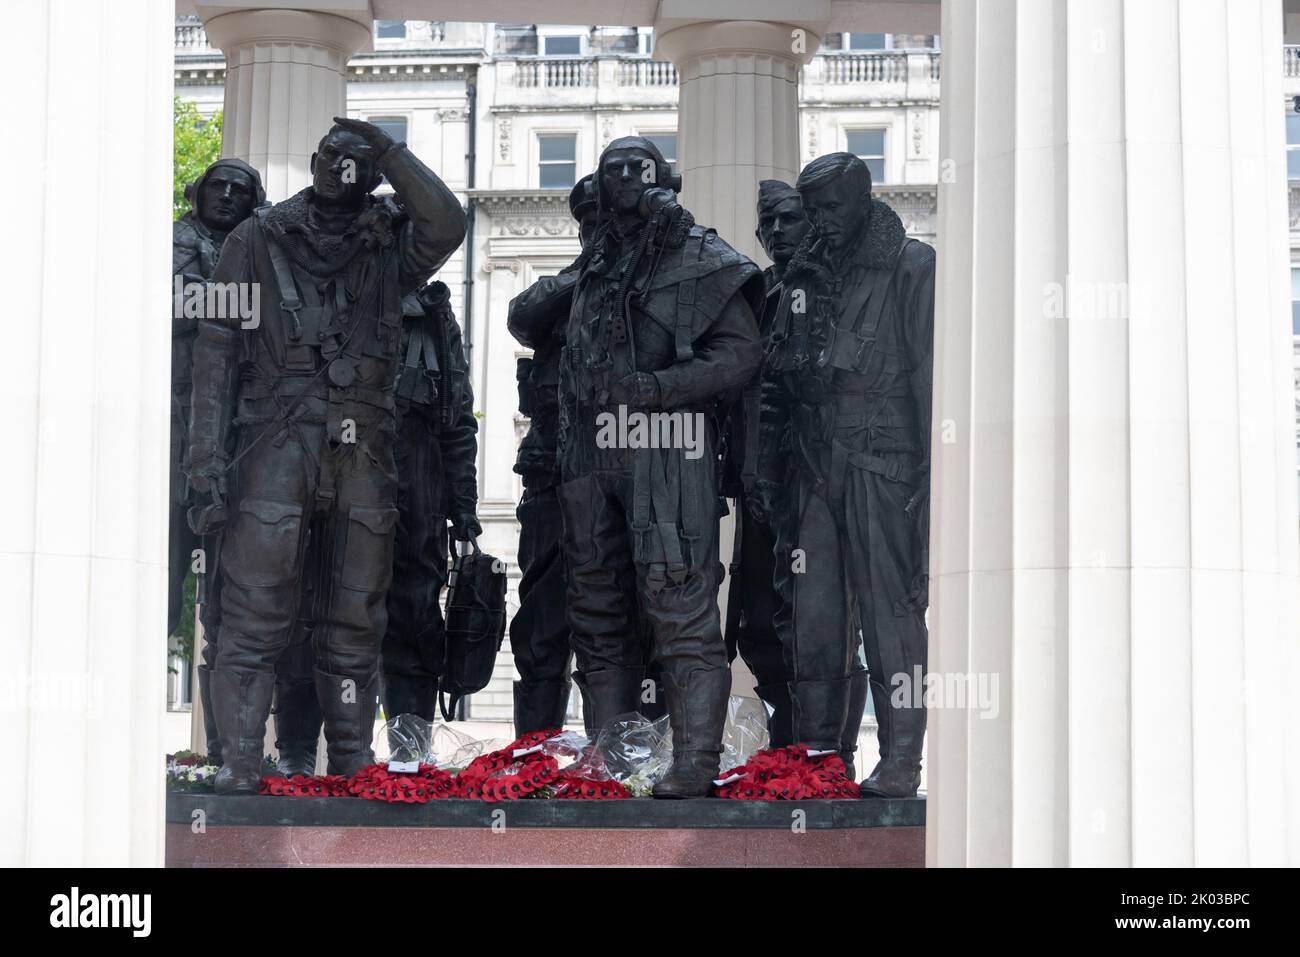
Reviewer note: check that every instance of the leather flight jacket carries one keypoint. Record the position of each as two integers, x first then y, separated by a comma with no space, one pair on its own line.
852,378
325,347
680,311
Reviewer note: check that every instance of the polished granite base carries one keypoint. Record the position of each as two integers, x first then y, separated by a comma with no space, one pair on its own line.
206,830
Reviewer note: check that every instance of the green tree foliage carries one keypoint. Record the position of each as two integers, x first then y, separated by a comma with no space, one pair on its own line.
182,643
196,145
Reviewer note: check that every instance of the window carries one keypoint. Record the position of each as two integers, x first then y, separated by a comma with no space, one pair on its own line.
557,165
394,126
1295,300
869,146
390,29
865,41
1293,145
562,46
666,143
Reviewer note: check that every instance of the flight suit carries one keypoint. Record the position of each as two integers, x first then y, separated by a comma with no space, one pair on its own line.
853,408
437,476
539,631
309,396
195,249
671,311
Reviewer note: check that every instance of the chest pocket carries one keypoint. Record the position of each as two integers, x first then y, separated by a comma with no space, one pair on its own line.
884,364
863,340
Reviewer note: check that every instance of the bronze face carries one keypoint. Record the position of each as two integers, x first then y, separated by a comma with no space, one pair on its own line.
837,209
343,169
226,198
781,228
623,178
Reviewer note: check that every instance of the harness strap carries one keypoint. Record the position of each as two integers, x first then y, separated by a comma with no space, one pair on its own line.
665,492
289,300
752,405
692,250
690,479
892,469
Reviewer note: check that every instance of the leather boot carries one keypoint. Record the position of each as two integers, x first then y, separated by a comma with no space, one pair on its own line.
820,710
902,732
608,693
697,711
297,727
540,705
405,694
209,715
858,687
347,706
241,702
780,731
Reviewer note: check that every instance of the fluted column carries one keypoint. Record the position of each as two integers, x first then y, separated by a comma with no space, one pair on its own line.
285,82
738,113
1114,513
83,488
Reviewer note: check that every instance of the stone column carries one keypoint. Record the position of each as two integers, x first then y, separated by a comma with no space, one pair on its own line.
1114,511
83,534
285,82
737,114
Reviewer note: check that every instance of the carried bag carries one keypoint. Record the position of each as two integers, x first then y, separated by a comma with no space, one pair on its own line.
476,626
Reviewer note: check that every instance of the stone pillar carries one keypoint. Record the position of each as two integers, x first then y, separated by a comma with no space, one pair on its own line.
83,494
738,113
1114,513
285,82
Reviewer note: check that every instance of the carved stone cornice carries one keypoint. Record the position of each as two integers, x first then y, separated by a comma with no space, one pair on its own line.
363,69
917,205
527,212
200,71
209,69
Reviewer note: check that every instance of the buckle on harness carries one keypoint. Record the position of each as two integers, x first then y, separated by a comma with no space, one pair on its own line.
293,310
894,470
858,357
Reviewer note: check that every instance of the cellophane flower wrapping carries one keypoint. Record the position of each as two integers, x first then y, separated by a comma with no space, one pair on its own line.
630,750
745,733
407,737
452,750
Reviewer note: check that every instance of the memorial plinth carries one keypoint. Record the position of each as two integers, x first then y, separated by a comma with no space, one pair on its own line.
210,831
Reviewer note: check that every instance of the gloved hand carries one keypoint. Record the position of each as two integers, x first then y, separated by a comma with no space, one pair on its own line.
655,199
210,479
375,138
208,514
465,527
640,390
763,500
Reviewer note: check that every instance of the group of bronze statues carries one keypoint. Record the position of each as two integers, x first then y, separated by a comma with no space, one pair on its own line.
324,458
